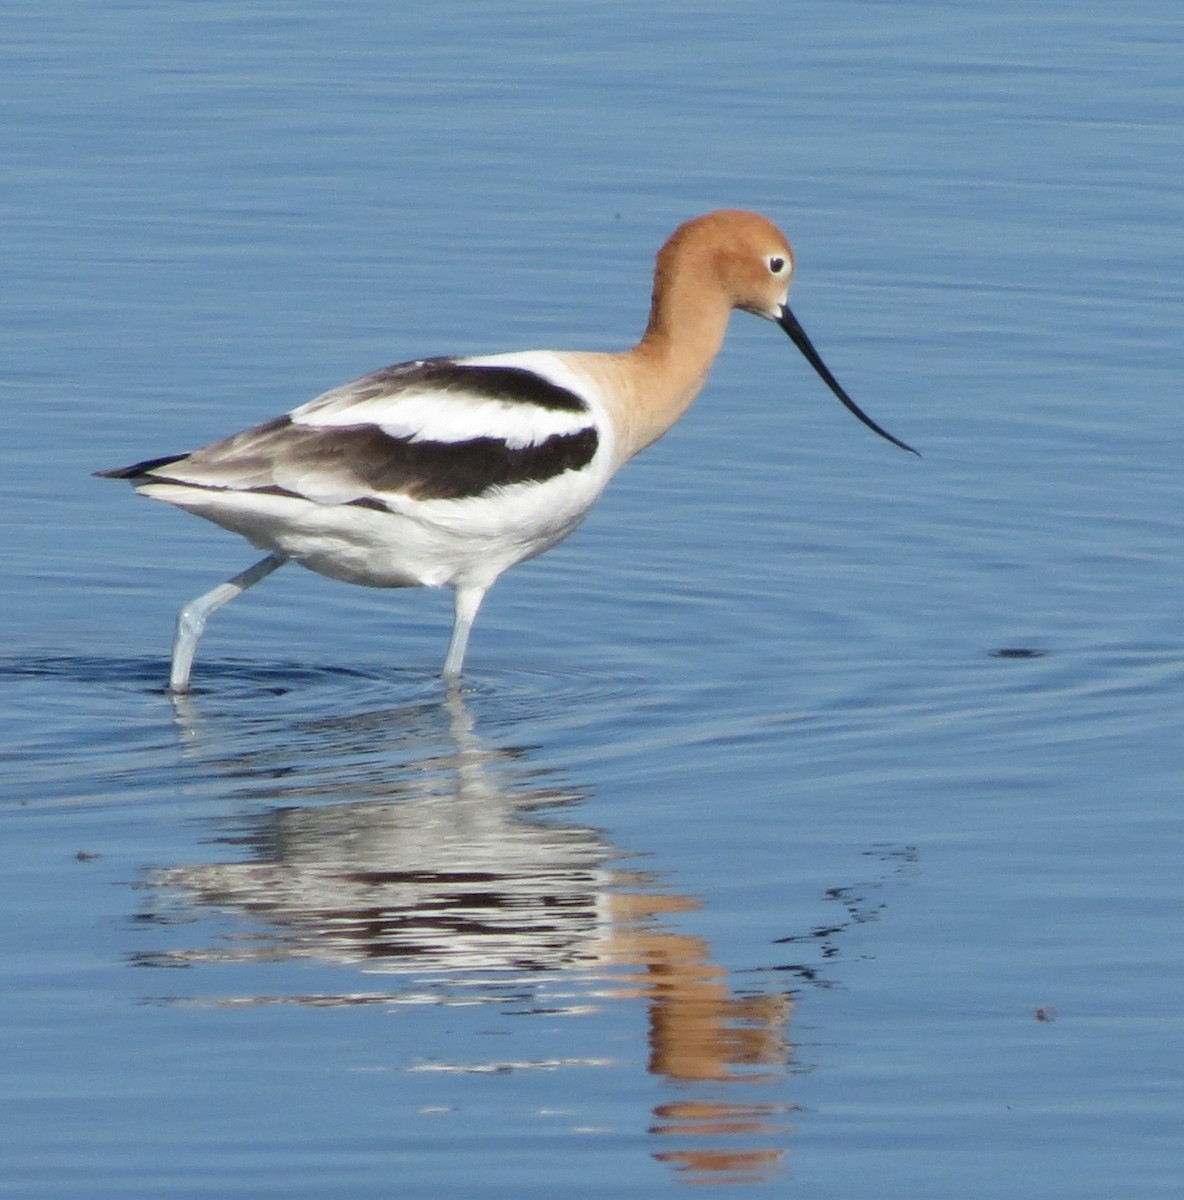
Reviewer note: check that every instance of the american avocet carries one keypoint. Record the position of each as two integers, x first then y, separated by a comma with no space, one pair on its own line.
451,470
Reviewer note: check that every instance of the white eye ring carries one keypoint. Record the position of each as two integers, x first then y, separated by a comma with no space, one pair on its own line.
779,264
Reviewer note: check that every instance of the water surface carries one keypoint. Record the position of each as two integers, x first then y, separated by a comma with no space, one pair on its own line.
809,821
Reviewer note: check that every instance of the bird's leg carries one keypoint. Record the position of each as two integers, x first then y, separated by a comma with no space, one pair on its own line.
191,620
467,602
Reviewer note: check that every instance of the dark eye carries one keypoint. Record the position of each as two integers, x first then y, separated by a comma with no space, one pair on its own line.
776,264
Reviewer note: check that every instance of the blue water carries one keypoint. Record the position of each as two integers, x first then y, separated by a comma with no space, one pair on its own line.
810,821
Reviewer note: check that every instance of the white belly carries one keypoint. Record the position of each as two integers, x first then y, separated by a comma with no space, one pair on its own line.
424,543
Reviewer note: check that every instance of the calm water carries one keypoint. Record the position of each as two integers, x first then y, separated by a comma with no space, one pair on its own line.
810,821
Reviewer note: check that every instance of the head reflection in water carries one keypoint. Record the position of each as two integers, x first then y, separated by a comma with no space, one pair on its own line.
457,875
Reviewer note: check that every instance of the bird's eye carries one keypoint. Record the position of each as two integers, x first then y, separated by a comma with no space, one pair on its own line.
777,264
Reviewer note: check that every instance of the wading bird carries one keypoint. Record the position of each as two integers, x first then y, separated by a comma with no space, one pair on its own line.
448,471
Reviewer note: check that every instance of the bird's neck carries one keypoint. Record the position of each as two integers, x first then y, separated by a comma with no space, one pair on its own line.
656,381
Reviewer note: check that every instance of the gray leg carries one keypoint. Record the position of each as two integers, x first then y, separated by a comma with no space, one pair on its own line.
467,602
191,620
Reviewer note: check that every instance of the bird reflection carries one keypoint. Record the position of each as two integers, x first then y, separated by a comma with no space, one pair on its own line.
403,845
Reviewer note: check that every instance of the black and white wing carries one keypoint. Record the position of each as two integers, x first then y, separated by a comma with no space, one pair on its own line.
436,429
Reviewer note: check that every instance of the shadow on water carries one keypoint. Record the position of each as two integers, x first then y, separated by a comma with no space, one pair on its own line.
397,843
150,673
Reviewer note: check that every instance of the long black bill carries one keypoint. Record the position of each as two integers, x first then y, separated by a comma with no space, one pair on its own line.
797,334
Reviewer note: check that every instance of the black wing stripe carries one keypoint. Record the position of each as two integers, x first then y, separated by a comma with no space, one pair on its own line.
452,470
513,385
365,457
